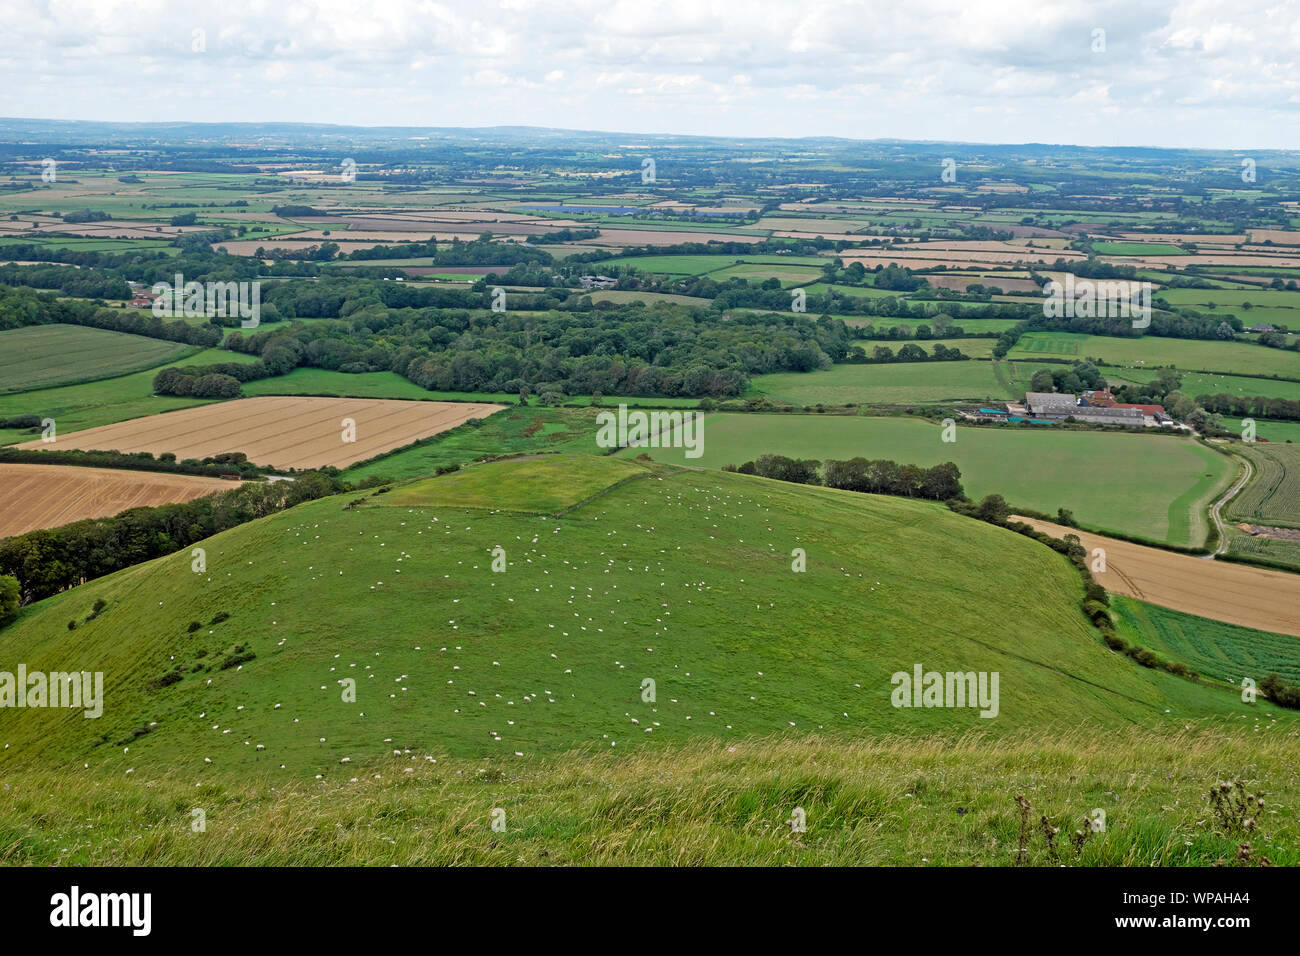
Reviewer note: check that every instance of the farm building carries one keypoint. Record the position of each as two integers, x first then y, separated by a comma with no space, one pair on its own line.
1100,397
1151,414
1050,404
1130,417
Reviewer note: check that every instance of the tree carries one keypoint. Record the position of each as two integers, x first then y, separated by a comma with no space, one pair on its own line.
1042,381
942,482
10,596
993,508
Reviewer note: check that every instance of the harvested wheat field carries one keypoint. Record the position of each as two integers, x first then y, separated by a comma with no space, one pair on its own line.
46,496
1235,593
281,431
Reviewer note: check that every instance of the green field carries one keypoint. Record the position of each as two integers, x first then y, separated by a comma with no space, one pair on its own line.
1274,431
1153,486
680,576
1273,495
1236,358
74,407
649,298
531,428
319,381
1233,299
1137,249
42,356
821,288
687,265
1225,652
1197,383
753,272
898,383
1258,547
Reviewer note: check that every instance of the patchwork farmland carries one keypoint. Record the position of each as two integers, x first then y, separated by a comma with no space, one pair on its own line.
437,593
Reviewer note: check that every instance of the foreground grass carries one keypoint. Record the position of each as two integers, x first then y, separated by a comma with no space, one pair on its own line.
884,801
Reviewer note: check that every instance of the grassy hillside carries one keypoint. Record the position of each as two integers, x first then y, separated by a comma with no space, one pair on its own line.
1152,486
896,800
679,576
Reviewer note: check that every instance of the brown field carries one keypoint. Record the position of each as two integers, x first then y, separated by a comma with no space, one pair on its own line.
1282,236
1235,593
614,235
280,431
1204,259
1200,238
1005,283
46,496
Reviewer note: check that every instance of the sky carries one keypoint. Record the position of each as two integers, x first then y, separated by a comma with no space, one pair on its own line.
1188,73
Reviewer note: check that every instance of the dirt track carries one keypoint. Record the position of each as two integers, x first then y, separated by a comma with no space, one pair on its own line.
1236,593
280,431
46,496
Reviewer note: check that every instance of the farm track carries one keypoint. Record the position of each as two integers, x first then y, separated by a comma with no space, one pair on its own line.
281,431
1216,509
1260,598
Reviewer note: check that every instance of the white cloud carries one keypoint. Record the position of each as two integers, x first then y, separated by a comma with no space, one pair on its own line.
937,69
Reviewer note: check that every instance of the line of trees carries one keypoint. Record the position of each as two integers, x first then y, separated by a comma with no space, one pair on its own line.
214,466
1244,406
878,476
49,560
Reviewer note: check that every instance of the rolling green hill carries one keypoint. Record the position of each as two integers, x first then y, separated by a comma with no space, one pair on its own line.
641,571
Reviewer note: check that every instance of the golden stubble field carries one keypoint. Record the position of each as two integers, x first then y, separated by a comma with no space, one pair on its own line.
46,496
1236,593
281,431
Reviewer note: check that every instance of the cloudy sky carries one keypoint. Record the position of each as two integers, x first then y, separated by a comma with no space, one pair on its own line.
1115,72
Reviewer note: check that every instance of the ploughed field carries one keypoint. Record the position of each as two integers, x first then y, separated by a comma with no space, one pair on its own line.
281,431
46,496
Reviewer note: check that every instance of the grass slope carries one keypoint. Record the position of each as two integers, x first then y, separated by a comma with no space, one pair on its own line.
680,576
899,800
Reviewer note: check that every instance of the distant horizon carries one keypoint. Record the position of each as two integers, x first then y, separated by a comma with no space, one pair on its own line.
310,124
